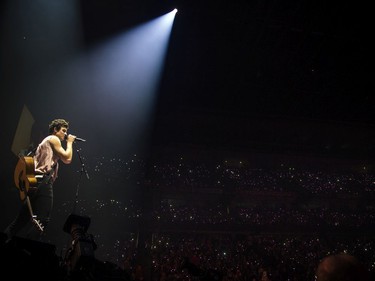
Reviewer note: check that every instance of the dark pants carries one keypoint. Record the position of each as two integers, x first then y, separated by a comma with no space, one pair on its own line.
41,203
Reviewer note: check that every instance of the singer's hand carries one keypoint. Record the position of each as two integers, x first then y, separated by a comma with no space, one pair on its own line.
70,138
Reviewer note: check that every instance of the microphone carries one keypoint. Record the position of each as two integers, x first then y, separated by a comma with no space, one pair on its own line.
76,139
79,139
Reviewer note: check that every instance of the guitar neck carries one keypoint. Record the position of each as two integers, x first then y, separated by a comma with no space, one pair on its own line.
34,219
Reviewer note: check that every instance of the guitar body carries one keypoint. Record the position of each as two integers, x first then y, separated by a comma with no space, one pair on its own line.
25,180
24,175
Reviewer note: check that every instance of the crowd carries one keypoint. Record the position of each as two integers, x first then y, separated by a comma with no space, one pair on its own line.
281,222
217,220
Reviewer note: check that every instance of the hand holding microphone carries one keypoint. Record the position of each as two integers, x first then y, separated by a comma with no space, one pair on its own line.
75,138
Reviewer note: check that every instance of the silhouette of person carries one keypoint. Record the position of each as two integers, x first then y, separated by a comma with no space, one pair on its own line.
341,267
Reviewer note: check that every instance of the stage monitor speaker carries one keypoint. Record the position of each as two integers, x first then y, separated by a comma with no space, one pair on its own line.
22,257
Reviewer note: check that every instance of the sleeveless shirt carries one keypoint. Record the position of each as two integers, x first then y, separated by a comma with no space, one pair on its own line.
45,158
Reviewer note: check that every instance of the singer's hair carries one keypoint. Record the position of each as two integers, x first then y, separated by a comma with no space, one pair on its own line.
58,123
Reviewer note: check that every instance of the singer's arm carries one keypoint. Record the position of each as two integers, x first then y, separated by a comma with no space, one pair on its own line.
65,155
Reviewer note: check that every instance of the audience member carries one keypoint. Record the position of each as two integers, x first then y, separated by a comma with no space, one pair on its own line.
341,267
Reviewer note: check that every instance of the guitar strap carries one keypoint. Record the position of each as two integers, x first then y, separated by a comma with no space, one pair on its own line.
31,152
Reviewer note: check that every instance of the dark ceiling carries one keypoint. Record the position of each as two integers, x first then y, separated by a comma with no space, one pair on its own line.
232,65
301,59
234,69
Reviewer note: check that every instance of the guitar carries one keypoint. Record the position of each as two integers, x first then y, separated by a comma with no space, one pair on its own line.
26,181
